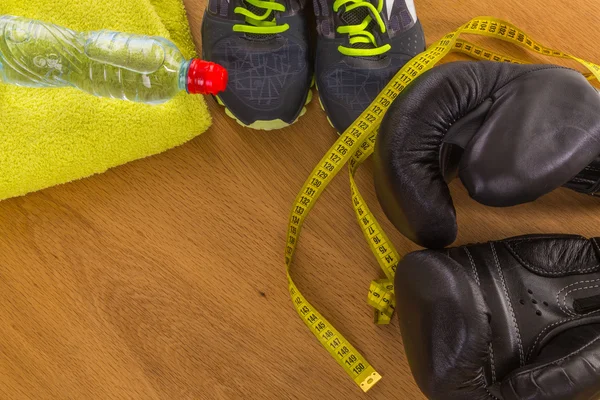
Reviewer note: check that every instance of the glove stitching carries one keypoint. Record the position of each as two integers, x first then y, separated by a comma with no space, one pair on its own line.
576,290
542,332
591,190
594,184
492,363
473,266
491,346
544,237
583,180
512,311
541,271
552,325
490,394
574,352
557,361
565,288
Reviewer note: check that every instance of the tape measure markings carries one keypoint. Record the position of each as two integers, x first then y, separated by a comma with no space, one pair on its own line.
509,32
356,145
344,148
381,292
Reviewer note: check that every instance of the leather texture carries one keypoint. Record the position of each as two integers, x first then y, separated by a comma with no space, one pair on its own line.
512,133
497,320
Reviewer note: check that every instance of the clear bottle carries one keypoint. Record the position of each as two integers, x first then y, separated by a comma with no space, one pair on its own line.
106,64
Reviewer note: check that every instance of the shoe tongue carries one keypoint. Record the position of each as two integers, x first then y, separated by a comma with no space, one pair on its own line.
260,36
356,17
258,11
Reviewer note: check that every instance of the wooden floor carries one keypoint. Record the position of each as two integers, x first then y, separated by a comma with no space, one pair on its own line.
164,278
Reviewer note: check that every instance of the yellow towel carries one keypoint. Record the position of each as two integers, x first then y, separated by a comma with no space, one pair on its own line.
52,136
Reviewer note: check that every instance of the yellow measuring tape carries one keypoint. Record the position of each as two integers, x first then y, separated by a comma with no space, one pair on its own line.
355,145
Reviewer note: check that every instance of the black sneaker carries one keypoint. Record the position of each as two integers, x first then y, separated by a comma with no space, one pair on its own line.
361,45
264,46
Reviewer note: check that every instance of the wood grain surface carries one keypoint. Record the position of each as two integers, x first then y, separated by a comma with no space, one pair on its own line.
164,278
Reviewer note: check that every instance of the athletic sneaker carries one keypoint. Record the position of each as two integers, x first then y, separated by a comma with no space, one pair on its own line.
361,45
264,46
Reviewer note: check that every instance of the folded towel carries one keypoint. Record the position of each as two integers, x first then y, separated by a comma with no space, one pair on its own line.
52,136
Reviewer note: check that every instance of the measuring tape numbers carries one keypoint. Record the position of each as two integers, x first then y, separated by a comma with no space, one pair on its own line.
354,146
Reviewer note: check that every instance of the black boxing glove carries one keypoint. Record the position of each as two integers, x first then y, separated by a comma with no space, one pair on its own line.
512,133
517,319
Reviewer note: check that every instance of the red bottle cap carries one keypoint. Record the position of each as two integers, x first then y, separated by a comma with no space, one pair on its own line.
206,77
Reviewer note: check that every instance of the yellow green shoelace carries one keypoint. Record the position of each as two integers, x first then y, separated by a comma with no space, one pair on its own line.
261,24
358,33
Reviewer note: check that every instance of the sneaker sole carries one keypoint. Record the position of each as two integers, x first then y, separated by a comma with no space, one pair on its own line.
271,125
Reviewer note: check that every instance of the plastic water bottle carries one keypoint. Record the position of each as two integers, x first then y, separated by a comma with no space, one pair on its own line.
106,64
